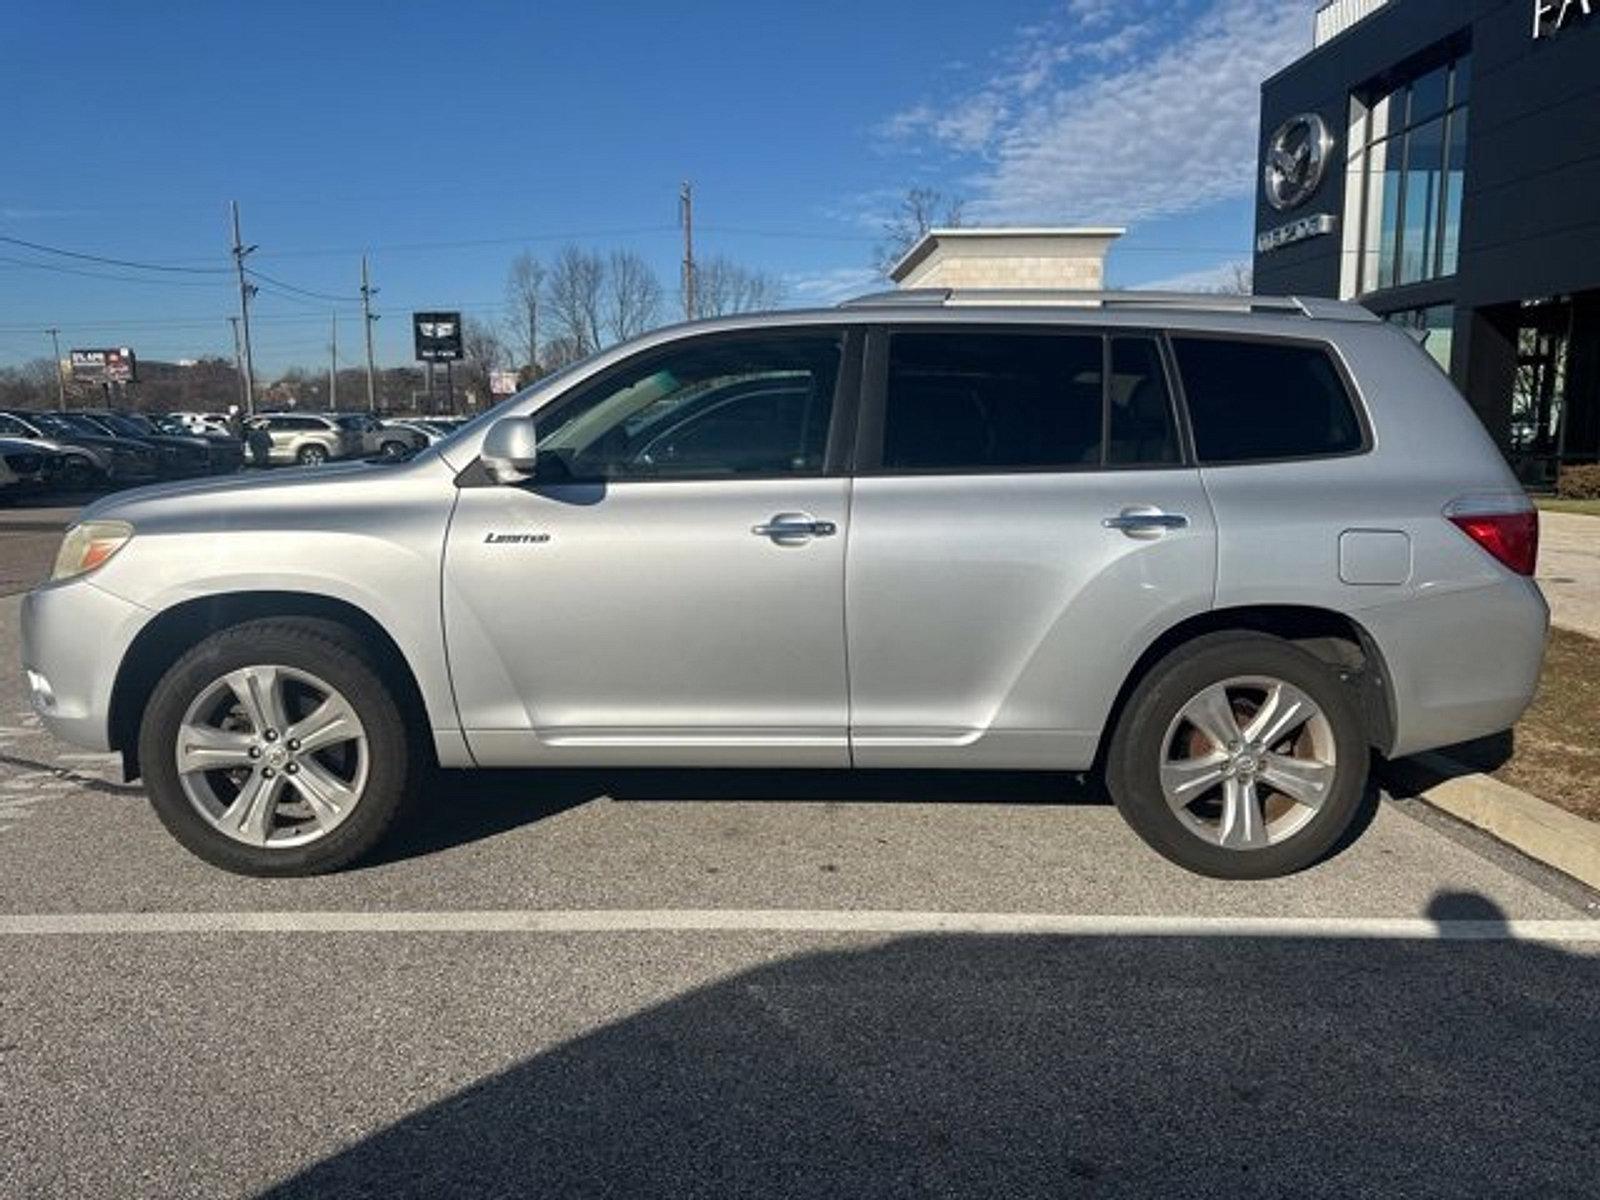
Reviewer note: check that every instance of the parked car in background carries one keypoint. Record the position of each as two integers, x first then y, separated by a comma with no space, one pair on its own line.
183,454
34,464
10,485
428,431
1192,543
80,466
307,439
377,439
118,460
224,452
397,439
195,422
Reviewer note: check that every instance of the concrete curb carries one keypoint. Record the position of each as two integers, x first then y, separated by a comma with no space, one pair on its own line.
1539,829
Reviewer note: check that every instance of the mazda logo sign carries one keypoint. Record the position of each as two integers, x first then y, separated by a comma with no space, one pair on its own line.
1297,159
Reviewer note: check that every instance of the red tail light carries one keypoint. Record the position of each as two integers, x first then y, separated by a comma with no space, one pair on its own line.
1505,526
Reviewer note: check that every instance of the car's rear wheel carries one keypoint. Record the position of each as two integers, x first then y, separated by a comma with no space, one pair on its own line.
394,450
1239,756
312,455
274,748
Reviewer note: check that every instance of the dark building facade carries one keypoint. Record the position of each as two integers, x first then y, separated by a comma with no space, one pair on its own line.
1439,161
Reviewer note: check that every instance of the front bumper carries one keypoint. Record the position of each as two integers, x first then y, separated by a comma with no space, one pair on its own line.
74,638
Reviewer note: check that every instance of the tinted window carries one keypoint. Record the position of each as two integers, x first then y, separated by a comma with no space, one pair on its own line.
1140,430
744,407
992,401
1263,400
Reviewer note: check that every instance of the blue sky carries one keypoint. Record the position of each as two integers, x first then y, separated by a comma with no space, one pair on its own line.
444,139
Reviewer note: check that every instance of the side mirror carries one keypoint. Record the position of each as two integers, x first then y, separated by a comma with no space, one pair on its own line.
510,449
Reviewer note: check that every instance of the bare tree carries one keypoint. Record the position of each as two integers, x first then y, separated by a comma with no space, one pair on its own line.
574,293
724,286
482,346
483,351
559,352
633,296
1239,279
919,210
524,285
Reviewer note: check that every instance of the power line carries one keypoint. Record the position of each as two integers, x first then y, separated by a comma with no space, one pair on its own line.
58,269
115,262
300,291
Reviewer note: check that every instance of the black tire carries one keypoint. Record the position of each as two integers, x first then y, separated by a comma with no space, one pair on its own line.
312,455
395,760
76,475
393,450
1133,762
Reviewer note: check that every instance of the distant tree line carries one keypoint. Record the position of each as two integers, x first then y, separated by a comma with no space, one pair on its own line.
556,313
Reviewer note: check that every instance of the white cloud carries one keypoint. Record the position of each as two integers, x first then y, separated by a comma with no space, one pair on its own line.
1222,276
1119,110
824,288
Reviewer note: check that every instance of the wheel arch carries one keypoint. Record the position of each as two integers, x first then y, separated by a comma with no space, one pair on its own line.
1335,638
175,630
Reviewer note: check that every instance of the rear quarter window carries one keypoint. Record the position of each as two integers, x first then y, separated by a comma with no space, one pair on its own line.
1257,401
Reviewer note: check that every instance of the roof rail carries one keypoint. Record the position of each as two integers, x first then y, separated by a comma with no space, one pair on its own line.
1314,307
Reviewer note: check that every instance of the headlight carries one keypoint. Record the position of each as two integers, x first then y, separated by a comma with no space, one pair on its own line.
88,545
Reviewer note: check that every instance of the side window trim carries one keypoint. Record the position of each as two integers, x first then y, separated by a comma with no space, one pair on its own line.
874,397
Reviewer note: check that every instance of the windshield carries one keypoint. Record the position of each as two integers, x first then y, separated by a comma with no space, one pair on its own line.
126,426
61,423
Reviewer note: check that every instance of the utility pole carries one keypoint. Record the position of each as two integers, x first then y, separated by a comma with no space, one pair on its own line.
333,366
686,218
367,318
61,378
246,290
238,358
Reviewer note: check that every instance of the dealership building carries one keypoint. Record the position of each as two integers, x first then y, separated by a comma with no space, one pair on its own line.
1439,162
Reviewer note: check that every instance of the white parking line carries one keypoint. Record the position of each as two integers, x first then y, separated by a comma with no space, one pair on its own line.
795,921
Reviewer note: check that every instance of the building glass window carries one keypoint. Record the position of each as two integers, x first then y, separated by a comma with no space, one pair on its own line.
1435,327
1408,148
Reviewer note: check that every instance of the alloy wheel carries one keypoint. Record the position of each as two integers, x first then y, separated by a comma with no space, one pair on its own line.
1247,762
272,756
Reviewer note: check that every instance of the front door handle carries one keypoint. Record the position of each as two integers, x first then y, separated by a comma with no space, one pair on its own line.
1145,522
794,527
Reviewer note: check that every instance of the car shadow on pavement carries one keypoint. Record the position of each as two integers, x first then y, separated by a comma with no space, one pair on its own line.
1047,1066
458,807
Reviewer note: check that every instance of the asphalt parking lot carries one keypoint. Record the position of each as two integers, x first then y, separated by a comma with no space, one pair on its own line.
761,983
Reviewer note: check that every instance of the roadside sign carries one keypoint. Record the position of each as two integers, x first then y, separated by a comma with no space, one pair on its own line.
502,383
108,366
437,336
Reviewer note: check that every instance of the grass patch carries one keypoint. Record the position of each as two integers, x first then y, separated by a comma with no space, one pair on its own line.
1556,753
1588,508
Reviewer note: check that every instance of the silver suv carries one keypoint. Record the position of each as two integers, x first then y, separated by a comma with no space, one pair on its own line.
1218,550
307,439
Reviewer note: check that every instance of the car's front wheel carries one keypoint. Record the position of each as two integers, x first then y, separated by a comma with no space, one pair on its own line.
275,748
1239,756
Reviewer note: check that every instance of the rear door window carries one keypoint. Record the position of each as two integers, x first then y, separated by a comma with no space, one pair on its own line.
980,401
1255,401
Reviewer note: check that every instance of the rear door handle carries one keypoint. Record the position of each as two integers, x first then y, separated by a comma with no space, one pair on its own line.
1145,522
794,527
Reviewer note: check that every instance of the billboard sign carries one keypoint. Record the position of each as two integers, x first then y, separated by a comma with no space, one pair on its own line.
502,383
437,336
104,366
